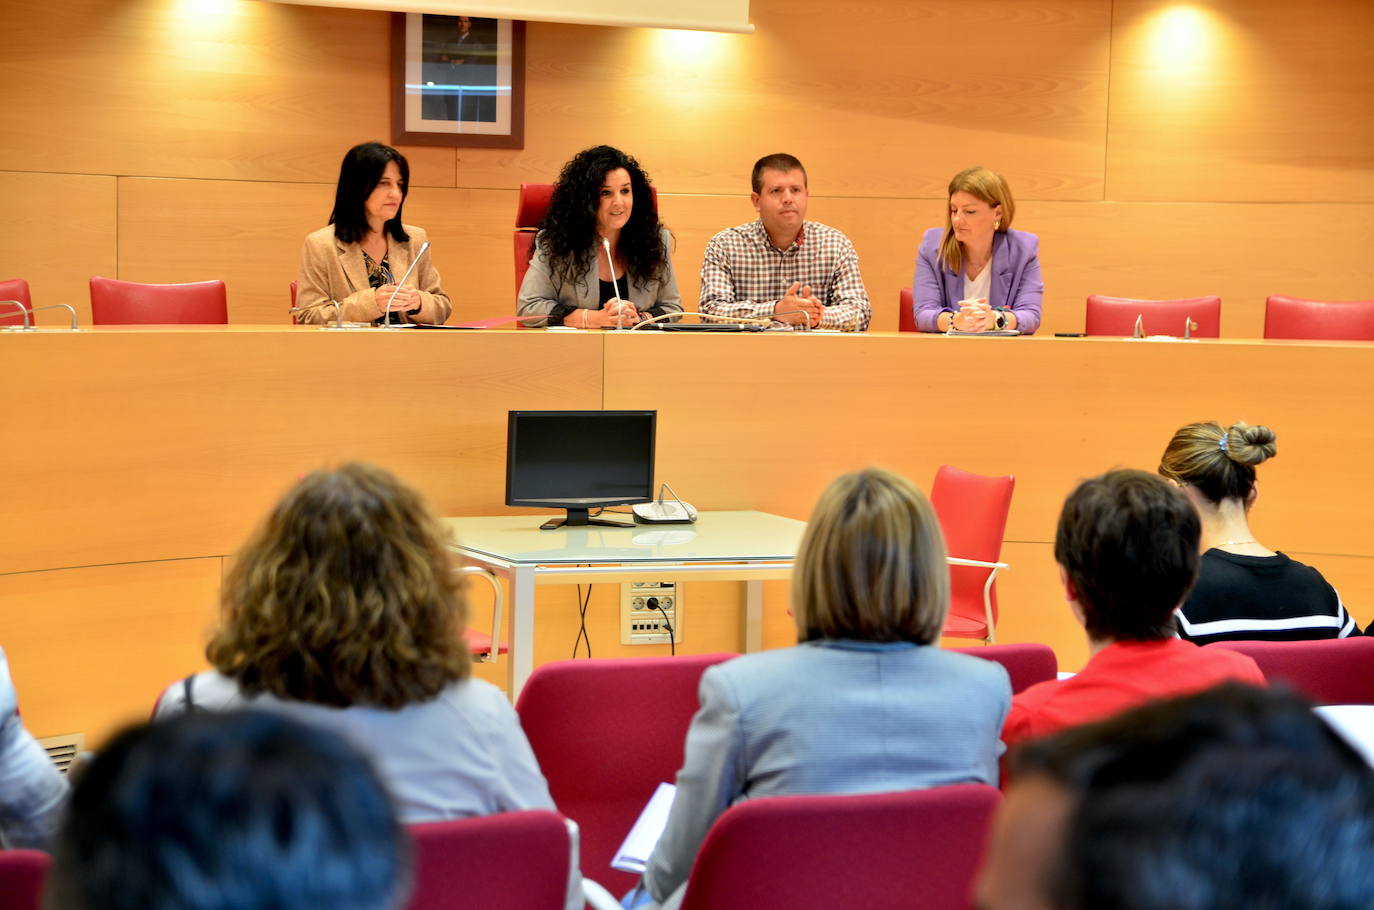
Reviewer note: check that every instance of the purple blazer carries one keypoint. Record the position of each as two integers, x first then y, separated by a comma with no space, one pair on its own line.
1015,284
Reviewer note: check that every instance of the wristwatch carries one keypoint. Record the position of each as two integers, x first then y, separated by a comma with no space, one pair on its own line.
1001,317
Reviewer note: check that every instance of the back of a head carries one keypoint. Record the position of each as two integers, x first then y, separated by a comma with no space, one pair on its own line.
228,811
1128,542
871,565
1232,798
344,596
1218,463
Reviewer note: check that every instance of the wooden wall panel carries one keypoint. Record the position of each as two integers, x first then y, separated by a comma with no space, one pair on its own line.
251,235
230,91
91,648
880,96
1243,252
1241,100
58,231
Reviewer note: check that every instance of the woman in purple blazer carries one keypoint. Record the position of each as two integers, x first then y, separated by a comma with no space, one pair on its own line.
977,274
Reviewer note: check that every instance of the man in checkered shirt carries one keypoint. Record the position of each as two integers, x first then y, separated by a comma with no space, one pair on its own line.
800,274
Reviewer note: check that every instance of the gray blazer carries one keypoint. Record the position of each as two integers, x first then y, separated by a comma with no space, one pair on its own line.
829,717
540,292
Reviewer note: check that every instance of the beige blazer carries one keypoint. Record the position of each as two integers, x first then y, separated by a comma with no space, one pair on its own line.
333,275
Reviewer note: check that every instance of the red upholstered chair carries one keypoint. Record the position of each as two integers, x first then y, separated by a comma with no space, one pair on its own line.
14,289
293,301
602,765
529,211
1336,671
910,849
507,861
1339,320
22,873
906,315
1117,315
973,515
115,302
1027,663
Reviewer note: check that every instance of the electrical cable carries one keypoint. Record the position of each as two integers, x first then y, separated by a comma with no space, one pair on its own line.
582,603
672,639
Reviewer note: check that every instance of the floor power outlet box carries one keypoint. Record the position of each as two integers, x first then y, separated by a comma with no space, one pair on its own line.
643,605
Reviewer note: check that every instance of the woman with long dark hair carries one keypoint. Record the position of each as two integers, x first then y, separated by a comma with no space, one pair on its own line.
355,262
601,258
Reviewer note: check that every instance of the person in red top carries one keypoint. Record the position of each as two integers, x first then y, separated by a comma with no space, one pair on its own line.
1127,548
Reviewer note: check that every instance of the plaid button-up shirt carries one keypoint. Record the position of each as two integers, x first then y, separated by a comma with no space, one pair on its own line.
743,274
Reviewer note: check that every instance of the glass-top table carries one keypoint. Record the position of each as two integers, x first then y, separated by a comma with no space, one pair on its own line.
746,546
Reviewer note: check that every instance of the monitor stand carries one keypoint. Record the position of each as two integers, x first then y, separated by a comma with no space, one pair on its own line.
577,518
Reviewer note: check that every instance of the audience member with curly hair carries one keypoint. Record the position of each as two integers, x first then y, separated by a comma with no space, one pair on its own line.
601,258
342,611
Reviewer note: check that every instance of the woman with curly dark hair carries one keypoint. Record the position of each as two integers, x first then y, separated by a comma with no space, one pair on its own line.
342,611
601,258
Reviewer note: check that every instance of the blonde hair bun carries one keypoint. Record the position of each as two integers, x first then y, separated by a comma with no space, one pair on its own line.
1250,445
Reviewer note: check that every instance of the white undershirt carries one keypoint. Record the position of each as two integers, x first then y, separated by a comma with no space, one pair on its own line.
978,287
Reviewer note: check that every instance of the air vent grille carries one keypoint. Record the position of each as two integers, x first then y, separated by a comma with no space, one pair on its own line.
63,749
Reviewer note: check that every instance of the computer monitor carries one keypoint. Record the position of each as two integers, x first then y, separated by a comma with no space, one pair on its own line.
578,461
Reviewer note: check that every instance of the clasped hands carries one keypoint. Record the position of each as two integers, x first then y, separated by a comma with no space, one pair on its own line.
407,299
798,306
613,313
974,316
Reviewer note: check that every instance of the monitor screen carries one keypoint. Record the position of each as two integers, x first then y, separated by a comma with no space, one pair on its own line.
579,460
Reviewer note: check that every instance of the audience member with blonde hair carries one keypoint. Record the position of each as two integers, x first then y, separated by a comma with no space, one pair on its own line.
976,274
1244,589
865,702
341,611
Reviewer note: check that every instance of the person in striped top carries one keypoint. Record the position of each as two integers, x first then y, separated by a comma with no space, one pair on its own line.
1245,591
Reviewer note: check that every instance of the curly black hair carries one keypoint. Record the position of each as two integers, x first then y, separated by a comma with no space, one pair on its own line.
568,231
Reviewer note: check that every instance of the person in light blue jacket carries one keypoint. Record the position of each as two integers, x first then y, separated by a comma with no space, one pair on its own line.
865,702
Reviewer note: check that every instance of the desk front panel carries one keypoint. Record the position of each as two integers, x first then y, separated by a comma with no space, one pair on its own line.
133,445
144,445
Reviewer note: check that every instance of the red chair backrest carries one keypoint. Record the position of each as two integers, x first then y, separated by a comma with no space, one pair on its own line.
1026,663
22,873
973,516
507,861
293,301
910,849
1335,671
906,316
14,289
1117,315
1339,320
530,209
115,302
600,768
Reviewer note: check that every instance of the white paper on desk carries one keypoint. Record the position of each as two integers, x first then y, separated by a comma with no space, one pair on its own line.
1355,724
990,333
648,828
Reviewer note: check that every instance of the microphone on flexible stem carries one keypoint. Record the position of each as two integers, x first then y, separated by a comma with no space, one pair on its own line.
606,245
386,320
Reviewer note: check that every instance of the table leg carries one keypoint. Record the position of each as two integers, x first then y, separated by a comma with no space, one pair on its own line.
753,616
521,657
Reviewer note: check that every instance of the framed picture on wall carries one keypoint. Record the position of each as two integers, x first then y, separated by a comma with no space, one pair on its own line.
457,80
